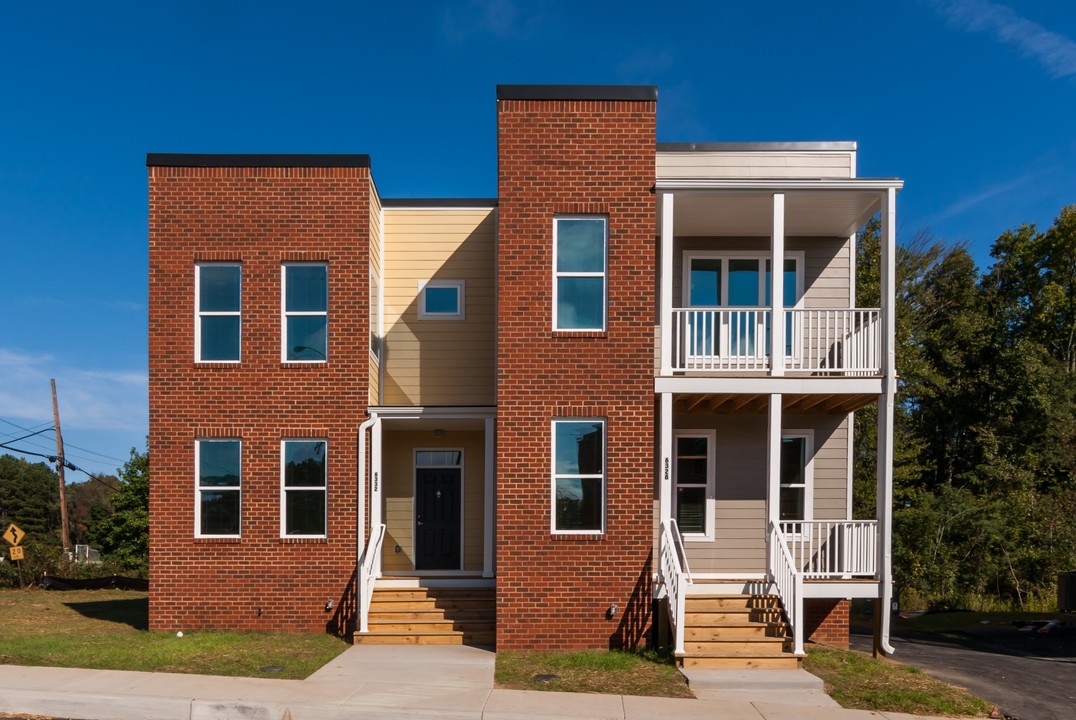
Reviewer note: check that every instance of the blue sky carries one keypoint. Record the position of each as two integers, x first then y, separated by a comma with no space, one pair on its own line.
972,103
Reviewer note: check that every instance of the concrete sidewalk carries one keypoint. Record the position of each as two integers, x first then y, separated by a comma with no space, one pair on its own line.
401,682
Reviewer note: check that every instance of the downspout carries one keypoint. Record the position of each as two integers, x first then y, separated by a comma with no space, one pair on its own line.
360,513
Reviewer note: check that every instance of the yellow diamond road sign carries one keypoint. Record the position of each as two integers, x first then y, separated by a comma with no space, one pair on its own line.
14,534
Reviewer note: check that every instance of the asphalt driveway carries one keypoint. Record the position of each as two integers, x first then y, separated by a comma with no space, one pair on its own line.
1029,675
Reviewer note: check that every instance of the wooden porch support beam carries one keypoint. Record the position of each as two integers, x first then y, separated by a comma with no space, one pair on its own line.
699,399
743,402
665,442
777,287
666,284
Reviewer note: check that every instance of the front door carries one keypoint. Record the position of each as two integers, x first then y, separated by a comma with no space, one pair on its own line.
437,518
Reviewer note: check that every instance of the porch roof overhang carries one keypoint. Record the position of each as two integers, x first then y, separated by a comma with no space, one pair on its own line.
756,403
823,207
786,385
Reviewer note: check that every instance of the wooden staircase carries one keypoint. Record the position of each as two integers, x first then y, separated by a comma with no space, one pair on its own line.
736,632
432,616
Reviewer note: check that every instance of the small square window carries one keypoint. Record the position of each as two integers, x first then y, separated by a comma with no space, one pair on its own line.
441,299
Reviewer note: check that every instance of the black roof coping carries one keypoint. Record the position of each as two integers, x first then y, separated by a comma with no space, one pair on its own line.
438,202
745,146
256,161
577,92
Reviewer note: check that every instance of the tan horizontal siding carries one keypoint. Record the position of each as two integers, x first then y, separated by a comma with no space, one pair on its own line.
439,361
755,164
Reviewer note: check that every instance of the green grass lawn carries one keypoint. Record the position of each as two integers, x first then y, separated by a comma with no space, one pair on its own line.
858,680
595,671
107,629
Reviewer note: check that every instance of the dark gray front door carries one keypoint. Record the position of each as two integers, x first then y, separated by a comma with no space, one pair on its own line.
437,518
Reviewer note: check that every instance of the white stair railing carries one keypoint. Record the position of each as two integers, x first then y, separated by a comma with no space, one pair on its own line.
368,571
675,575
789,583
829,549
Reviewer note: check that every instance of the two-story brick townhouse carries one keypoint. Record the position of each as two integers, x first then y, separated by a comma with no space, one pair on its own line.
525,421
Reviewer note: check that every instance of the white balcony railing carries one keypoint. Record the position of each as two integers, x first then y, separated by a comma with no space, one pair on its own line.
842,341
832,549
675,576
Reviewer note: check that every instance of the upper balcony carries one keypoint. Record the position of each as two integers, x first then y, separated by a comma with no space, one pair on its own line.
728,214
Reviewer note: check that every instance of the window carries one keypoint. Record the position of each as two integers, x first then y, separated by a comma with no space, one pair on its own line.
578,476
306,312
303,508
218,300
579,250
217,469
440,299
796,475
694,480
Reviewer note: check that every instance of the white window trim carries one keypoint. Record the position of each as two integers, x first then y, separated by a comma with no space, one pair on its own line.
711,482
285,490
199,313
198,487
604,274
808,474
461,295
285,314
685,291
603,476
414,491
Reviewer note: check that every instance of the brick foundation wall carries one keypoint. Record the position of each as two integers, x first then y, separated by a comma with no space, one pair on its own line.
826,621
260,217
574,157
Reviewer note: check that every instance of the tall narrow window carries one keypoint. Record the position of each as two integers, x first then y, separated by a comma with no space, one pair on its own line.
217,469
306,312
579,476
796,476
303,507
694,477
579,262
218,302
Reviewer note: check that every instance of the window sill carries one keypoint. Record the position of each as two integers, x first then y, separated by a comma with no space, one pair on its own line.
577,537
306,364
304,541
580,333
213,540
217,363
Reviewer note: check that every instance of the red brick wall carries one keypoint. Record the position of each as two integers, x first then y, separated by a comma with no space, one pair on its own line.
826,621
259,217
574,157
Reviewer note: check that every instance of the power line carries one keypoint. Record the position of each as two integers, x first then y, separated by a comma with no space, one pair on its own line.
93,452
53,458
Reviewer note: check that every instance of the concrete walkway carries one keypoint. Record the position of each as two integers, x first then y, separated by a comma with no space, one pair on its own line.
401,682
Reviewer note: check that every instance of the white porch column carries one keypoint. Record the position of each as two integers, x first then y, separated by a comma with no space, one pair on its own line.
665,441
665,317
375,483
773,466
489,526
885,413
777,287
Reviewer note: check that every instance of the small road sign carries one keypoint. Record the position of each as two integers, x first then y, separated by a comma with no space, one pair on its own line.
16,552
14,534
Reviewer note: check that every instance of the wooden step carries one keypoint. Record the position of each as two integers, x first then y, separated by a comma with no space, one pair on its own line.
718,603
460,603
431,616
427,638
750,647
432,625
783,662
432,613
489,594
728,631
725,617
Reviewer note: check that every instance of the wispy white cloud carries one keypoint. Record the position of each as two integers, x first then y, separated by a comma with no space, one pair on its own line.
503,19
1054,51
90,399
968,202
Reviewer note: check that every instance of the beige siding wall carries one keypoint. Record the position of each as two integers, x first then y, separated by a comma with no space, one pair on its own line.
825,273
375,282
398,472
739,544
747,164
439,362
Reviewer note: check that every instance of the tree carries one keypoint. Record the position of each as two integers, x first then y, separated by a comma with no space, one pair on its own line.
29,497
124,535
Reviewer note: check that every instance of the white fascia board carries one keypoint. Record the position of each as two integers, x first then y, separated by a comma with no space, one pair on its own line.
837,589
437,412
776,185
770,385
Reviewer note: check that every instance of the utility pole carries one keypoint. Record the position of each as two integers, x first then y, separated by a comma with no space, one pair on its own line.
60,471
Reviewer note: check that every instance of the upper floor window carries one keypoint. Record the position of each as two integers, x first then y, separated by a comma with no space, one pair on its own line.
219,487
732,280
218,303
441,299
579,273
304,482
579,476
305,312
